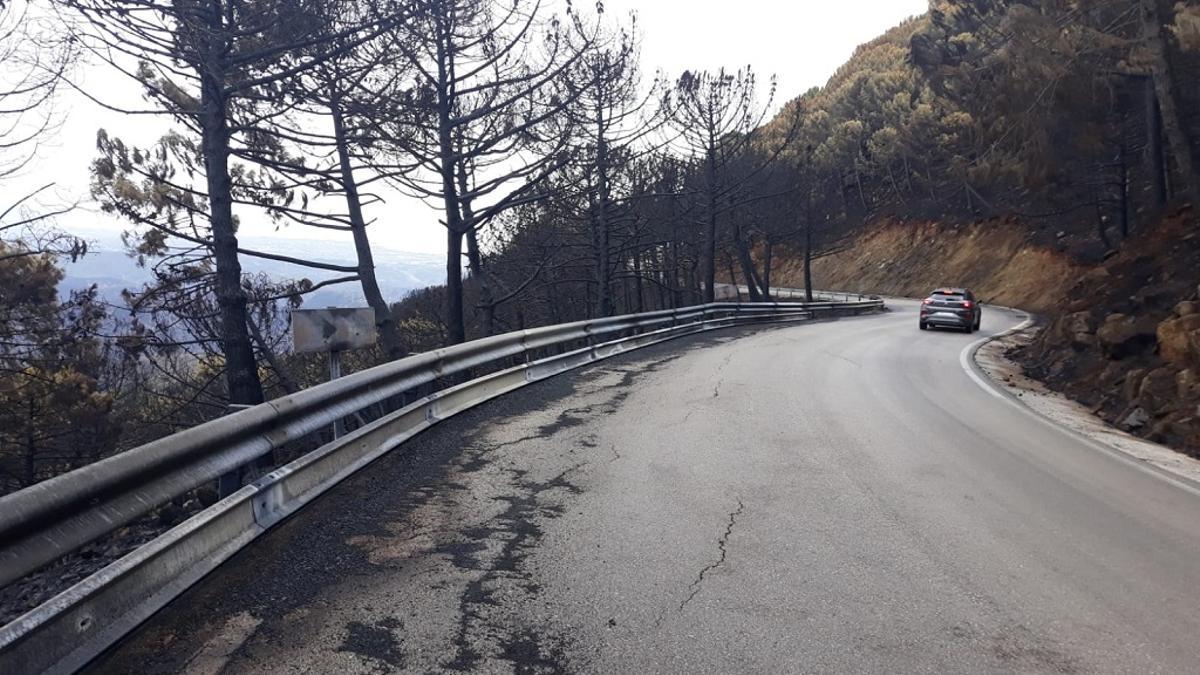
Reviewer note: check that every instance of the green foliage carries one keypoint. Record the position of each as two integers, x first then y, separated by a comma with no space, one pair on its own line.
994,108
54,414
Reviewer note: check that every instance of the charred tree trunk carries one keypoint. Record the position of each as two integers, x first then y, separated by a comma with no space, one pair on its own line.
389,335
241,370
1164,88
474,257
456,330
604,304
768,253
862,194
675,265
1101,225
1156,154
29,465
487,300
710,231
808,260
1123,166
638,287
748,271
732,279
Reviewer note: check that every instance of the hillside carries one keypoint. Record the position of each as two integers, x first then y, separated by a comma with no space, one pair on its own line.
910,258
1046,158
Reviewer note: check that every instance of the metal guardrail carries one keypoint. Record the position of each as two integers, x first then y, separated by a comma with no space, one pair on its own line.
50,519
731,292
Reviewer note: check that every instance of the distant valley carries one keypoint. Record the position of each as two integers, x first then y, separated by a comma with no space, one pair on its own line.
111,269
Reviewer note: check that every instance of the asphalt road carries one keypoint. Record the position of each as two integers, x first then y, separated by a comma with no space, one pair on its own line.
826,497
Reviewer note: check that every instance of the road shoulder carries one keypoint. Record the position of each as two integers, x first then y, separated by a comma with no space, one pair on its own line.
1005,375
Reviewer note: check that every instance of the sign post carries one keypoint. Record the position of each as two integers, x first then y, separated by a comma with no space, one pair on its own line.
333,331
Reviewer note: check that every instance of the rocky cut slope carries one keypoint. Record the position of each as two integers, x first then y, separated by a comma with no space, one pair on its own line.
1126,340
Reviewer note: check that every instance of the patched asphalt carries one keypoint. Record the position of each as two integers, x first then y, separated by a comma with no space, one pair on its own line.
823,497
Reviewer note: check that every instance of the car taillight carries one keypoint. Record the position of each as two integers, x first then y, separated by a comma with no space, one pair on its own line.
967,304
927,301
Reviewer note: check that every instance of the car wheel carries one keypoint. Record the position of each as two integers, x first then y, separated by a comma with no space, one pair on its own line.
924,326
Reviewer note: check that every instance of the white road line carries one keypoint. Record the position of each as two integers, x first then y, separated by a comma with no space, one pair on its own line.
966,359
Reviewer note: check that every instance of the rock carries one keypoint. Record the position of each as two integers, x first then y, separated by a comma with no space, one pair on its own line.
1079,330
1079,304
1112,377
1056,369
1158,389
1184,427
1154,296
1179,340
1133,384
1122,335
1187,308
1135,419
1160,432
1080,322
1114,328
1187,385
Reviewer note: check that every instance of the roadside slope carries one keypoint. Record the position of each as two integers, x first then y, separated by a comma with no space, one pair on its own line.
909,258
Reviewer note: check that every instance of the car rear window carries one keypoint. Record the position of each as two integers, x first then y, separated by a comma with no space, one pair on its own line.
947,296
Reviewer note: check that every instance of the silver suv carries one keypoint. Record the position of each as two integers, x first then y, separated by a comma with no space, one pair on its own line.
951,308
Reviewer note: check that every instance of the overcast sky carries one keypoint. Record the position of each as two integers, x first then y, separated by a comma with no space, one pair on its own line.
802,42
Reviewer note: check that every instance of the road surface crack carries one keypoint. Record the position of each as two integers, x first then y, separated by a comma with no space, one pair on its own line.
852,362
720,375
694,589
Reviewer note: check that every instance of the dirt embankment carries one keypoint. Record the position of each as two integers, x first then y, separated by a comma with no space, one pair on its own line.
993,258
1121,336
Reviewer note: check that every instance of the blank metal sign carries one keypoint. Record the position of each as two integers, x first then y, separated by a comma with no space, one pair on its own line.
332,330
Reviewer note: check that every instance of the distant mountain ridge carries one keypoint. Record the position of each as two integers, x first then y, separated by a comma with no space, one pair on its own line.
111,269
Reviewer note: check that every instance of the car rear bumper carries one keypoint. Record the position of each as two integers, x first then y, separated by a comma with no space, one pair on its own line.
947,319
